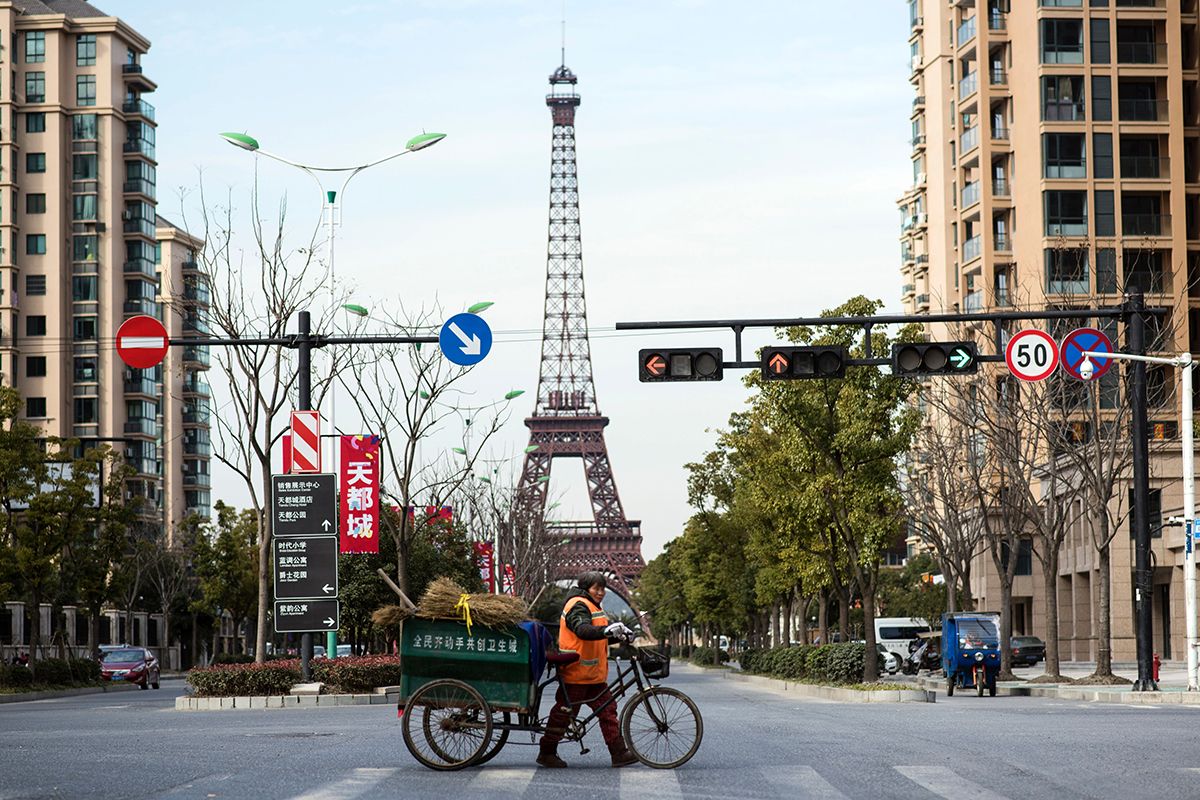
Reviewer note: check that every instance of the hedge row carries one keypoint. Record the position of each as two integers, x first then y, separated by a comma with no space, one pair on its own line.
351,674
51,672
704,655
827,663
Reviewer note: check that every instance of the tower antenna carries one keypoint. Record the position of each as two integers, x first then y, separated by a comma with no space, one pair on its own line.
564,33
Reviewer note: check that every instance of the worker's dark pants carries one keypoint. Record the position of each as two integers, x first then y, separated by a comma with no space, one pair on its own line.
593,695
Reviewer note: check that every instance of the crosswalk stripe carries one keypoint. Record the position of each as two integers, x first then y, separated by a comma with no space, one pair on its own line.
640,782
947,783
361,781
508,780
803,783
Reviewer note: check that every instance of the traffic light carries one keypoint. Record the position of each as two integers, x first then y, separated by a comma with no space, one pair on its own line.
680,364
934,358
798,363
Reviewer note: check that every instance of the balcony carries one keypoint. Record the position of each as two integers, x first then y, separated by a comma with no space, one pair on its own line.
972,248
1002,242
131,69
141,266
138,147
197,448
1141,3
918,141
966,32
1138,110
197,354
141,386
142,305
139,186
969,85
1000,187
1146,224
923,301
196,479
1066,285
196,416
197,293
970,194
969,140
1144,167
145,427
918,102
907,289
997,21
197,387
999,134
139,108
973,302
189,266
1141,53
997,76
1067,226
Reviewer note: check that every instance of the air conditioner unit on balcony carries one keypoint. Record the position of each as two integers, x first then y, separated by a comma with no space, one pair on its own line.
917,61
922,219
920,178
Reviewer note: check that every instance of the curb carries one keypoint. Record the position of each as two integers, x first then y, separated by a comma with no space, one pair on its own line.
26,697
189,703
1084,693
834,692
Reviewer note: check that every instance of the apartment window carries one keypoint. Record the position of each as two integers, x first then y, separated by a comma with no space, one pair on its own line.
87,410
83,207
85,288
84,329
35,244
1139,101
35,203
1102,155
1106,270
1062,41
1101,98
35,47
1141,214
1136,43
1105,213
1065,155
35,284
35,325
1139,156
85,50
84,248
84,167
35,366
1100,41
1143,269
1066,213
1024,565
83,127
85,369
85,90
35,122
35,162
1062,98
35,87
35,407
1066,270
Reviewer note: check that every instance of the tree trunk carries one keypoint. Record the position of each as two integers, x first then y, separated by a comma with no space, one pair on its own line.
786,624
164,641
1104,602
871,657
951,583
823,616
1005,625
402,559
265,588
775,624
195,654
968,601
35,625
1050,582
93,644
844,614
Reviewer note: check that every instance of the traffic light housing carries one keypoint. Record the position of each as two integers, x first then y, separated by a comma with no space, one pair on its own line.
800,363
680,364
934,358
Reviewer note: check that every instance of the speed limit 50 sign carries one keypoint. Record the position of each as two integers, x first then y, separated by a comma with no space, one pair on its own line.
1031,355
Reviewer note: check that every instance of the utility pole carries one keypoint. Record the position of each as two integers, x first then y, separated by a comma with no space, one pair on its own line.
1142,580
304,388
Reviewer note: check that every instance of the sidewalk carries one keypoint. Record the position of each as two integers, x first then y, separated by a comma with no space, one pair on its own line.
1172,685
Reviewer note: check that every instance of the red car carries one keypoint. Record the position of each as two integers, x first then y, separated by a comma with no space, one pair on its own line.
134,664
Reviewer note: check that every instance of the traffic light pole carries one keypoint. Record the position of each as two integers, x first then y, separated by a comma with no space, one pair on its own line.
1132,313
303,342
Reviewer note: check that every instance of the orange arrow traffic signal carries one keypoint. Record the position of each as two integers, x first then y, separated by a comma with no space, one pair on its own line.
656,365
680,364
779,363
800,363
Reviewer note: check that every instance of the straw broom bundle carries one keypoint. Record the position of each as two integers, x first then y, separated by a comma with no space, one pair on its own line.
444,599
390,615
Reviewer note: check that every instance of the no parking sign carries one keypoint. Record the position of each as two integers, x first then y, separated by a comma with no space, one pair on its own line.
1073,346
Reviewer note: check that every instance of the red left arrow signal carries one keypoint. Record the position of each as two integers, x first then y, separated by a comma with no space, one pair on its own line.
656,365
778,363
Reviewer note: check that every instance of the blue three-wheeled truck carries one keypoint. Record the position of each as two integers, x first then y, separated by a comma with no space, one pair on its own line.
971,651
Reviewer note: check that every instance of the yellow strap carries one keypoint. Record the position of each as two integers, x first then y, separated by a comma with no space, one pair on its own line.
464,610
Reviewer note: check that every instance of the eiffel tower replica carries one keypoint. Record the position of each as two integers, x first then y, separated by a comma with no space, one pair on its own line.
566,421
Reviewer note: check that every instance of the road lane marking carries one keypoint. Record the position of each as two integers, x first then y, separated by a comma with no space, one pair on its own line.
947,783
361,781
803,782
506,780
638,782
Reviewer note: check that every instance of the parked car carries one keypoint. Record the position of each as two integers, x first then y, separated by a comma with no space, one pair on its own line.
343,650
318,651
133,664
889,662
1027,650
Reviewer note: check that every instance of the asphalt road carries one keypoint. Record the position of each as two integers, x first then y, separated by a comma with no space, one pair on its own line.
757,744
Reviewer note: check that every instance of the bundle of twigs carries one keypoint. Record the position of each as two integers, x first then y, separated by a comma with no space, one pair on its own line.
390,615
445,599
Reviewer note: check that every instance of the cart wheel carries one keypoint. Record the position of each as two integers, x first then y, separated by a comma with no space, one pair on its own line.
979,687
498,741
447,725
950,686
662,726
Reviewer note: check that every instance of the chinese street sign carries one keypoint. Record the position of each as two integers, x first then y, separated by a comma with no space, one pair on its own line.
359,484
307,616
303,505
306,567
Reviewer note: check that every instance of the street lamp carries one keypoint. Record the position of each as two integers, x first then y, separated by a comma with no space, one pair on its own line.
1183,362
329,203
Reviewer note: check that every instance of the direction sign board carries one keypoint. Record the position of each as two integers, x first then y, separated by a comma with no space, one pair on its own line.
303,505
306,567
141,341
307,616
465,339
1031,355
1085,339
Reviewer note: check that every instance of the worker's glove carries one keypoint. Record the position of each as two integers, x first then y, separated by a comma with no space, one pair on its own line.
619,631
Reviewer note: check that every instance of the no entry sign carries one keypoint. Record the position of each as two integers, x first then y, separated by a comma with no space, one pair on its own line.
141,342
1075,343
1031,355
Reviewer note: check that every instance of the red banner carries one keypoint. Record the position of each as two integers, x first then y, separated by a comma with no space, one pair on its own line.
484,553
507,579
359,484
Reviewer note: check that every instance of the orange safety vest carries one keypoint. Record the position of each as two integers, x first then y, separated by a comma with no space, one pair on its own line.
592,666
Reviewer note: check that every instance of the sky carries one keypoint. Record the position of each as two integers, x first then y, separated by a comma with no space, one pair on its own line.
736,160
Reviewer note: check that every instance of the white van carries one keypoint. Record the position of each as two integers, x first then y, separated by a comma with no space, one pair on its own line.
894,633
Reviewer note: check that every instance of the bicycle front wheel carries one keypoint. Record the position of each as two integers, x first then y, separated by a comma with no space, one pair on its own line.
662,726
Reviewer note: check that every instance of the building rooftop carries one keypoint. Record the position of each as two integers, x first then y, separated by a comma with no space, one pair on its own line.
70,8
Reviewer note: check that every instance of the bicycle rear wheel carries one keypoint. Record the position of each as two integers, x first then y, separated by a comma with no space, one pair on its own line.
663,727
447,725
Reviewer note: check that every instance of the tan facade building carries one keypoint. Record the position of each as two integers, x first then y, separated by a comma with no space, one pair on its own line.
80,251
1056,161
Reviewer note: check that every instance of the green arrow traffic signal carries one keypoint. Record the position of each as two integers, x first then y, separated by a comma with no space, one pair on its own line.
934,358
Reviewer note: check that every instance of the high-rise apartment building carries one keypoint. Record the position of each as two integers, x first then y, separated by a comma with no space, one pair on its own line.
1056,162
82,249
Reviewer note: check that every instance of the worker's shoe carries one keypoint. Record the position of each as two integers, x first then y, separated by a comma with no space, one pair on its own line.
549,758
622,756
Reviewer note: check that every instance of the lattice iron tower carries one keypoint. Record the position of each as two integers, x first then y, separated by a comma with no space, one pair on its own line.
566,421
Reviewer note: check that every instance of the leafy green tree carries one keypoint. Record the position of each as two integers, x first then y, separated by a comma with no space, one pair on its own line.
908,593
660,594
226,561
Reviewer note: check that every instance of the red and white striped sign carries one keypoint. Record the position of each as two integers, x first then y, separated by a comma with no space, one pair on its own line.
306,442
